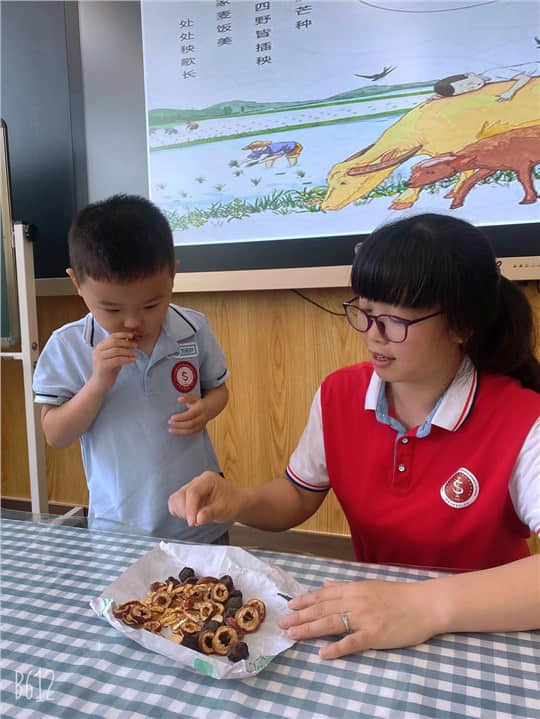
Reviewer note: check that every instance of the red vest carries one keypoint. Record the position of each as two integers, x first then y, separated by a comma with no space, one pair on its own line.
401,517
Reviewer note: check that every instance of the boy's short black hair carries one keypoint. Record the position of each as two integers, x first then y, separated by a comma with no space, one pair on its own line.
122,238
445,88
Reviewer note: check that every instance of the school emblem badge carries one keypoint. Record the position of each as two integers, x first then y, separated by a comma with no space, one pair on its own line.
461,489
184,376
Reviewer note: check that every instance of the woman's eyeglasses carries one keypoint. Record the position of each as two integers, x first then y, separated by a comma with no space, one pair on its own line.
392,328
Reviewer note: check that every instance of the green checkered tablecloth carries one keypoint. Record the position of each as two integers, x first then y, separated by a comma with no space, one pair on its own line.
59,660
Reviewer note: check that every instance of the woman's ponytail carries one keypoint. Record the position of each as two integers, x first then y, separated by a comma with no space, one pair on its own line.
508,344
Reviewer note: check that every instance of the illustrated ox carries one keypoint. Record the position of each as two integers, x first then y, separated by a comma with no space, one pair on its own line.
517,150
435,127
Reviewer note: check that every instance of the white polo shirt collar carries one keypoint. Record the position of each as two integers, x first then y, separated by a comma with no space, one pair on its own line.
452,408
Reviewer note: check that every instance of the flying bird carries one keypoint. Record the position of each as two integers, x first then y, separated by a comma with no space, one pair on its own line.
377,76
537,41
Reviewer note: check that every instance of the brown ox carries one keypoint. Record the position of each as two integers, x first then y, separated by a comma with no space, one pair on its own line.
432,128
517,150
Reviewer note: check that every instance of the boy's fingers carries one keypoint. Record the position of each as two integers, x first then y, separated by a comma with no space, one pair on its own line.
116,352
188,398
183,417
119,339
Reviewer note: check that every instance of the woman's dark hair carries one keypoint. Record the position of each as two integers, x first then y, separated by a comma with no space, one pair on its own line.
430,260
445,88
120,239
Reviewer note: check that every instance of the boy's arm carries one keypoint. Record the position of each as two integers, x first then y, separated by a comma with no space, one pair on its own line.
215,400
64,424
520,80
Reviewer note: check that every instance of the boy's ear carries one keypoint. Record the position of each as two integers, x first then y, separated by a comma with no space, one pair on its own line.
71,274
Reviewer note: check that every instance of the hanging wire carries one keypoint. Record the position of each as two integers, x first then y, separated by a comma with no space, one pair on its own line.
308,299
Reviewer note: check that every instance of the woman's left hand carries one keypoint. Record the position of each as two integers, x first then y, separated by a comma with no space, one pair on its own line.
381,615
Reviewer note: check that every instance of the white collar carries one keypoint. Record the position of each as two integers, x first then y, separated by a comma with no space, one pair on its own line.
456,402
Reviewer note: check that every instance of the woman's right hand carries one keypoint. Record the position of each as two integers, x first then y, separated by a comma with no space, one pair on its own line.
207,498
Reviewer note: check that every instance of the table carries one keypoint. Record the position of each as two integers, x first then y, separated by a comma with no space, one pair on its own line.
60,660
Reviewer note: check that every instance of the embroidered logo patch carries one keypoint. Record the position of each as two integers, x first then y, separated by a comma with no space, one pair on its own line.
184,376
461,489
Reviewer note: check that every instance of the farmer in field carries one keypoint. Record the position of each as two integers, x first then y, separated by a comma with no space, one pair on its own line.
268,152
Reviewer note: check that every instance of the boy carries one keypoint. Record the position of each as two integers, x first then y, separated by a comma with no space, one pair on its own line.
470,81
136,379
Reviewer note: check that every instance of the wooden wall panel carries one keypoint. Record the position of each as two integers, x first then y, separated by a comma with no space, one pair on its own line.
15,480
278,347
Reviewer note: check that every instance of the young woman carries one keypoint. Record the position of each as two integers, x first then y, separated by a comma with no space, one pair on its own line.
432,448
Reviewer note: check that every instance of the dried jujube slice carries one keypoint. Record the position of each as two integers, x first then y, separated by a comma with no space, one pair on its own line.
152,626
224,639
205,609
140,613
247,618
205,641
189,626
161,600
219,592
260,607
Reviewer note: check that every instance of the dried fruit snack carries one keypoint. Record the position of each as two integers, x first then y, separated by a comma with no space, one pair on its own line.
206,614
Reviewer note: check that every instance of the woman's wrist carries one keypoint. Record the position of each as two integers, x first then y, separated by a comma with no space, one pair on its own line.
247,504
434,603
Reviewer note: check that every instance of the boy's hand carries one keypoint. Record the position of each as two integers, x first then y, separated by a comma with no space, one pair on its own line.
110,355
193,420
207,498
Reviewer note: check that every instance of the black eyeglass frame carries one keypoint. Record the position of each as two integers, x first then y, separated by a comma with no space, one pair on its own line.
380,326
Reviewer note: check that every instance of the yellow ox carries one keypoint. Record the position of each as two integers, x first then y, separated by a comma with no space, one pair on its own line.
432,128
